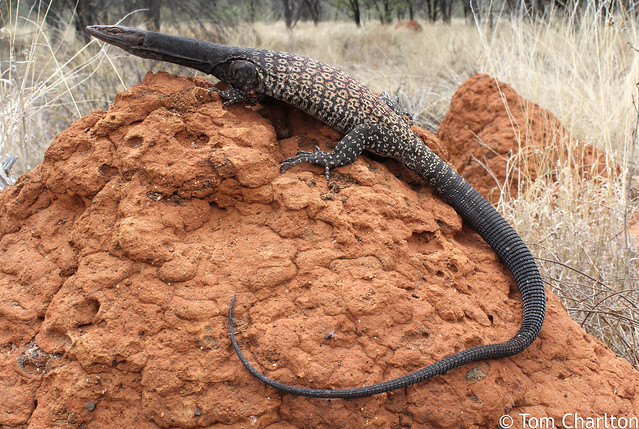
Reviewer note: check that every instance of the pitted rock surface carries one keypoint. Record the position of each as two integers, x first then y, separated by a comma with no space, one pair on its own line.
495,136
121,251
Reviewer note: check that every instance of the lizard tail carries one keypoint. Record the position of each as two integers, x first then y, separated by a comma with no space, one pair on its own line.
483,218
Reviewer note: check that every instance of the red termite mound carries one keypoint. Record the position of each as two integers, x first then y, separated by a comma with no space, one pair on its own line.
494,136
121,251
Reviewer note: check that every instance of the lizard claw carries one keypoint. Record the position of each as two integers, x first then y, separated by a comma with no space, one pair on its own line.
409,118
318,157
232,96
220,94
327,173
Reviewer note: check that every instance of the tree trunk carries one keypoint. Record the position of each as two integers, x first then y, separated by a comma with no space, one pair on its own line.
288,13
357,17
152,15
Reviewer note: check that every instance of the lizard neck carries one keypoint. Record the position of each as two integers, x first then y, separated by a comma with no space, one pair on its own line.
196,54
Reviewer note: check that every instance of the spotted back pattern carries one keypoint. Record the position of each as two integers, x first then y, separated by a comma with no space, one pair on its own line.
340,101
305,83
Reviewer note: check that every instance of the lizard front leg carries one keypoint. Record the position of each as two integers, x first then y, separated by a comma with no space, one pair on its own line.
231,96
242,77
363,136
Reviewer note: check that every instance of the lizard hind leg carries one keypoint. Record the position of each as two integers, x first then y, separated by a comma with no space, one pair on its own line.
393,103
347,150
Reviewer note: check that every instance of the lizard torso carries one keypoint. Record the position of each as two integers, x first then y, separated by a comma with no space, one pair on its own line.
338,100
305,83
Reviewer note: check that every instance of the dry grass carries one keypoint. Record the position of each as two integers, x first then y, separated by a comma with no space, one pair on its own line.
578,226
585,75
41,86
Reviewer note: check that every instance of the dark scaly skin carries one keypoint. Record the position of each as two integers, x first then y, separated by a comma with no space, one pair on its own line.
368,123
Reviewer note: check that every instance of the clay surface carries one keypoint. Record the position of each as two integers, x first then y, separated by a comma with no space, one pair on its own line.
494,136
121,251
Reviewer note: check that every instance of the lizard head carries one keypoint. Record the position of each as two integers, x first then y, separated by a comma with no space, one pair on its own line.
129,39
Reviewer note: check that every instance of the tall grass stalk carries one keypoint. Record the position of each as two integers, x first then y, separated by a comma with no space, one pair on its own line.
585,71
41,81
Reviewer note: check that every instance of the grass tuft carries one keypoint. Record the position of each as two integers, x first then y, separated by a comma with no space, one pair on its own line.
43,76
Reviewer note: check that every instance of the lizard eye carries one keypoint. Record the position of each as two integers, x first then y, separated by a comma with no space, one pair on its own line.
115,30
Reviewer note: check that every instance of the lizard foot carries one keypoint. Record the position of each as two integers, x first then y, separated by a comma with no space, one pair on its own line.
319,157
231,96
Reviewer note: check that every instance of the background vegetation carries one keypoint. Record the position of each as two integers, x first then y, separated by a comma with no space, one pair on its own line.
576,58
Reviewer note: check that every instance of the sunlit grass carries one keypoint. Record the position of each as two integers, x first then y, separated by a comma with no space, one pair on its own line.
42,85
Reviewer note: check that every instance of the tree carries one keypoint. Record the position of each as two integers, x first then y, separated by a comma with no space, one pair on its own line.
384,10
355,11
446,9
86,13
314,10
288,13
152,15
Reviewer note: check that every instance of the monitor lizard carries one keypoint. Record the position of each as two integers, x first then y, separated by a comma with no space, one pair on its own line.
370,123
